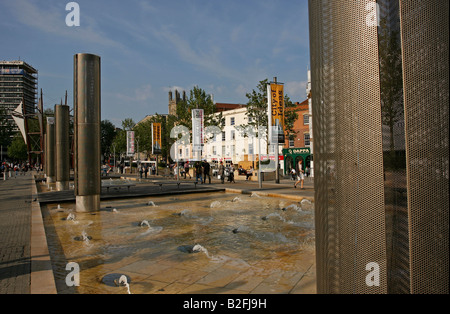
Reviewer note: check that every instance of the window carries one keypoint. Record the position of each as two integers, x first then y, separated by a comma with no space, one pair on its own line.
291,141
233,136
223,136
307,139
306,119
232,121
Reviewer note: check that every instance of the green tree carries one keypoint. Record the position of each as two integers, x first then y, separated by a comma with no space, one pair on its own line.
119,143
17,150
128,124
198,99
257,106
144,135
391,83
290,116
6,129
107,134
257,112
120,140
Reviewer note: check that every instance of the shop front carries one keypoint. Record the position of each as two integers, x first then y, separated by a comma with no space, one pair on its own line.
292,157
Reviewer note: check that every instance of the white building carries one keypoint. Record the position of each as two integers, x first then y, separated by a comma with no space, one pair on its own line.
233,143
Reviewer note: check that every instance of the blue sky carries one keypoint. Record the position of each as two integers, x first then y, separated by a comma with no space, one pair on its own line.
150,47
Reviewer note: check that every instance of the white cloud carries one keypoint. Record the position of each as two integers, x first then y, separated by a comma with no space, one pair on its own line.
241,91
144,93
296,90
51,20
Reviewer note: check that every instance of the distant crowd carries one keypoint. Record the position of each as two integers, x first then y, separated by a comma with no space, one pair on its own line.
16,168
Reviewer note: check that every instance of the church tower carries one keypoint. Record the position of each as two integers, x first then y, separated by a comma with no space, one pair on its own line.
174,100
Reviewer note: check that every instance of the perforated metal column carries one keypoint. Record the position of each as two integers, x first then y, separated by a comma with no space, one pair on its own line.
382,200
349,192
425,45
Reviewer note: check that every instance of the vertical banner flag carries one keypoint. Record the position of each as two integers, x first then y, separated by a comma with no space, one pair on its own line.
197,130
130,143
156,138
276,113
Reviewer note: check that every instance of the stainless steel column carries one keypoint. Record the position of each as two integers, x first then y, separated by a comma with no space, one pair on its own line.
62,147
87,131
348,153
50,148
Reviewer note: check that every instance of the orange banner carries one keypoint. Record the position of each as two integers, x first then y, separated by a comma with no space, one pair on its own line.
156,134
277,97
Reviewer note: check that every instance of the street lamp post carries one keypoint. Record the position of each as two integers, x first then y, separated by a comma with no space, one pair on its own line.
114,156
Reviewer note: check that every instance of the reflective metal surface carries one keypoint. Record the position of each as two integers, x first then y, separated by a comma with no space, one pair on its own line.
380,110
62,147
50,156
87,128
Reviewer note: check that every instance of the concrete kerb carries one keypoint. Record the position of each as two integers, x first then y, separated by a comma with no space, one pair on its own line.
41,277
286,196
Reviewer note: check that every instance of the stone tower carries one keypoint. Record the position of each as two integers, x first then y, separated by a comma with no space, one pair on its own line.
173,101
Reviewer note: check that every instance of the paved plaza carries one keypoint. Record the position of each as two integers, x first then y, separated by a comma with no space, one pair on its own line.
15,235
24,259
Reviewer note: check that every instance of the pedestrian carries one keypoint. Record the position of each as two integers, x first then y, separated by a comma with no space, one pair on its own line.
146,171
293,174
186,170
301,176
140,171
198,171
231,174
206,170
222,172
249,173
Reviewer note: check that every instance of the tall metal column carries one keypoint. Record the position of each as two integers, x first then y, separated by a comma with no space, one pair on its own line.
62,147
50,148
87,131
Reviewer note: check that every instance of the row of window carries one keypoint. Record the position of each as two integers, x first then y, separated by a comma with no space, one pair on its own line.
305,120
214,152
306,138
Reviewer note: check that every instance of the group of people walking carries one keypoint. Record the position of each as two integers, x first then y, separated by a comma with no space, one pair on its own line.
202,170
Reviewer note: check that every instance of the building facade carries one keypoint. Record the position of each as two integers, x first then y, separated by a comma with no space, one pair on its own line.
234,143
18,83
298,145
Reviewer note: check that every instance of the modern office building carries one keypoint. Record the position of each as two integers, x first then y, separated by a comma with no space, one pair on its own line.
380,99
18,83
